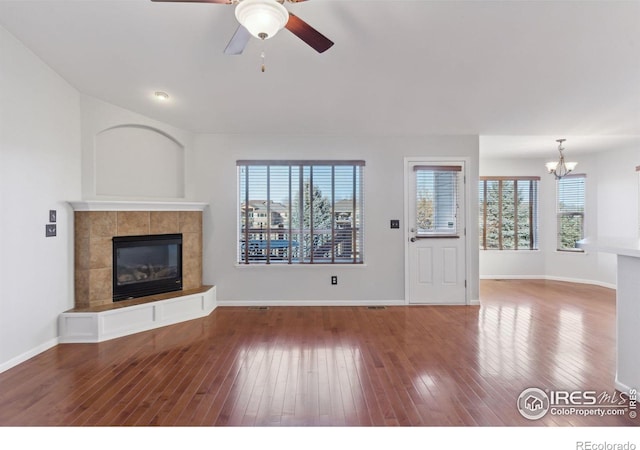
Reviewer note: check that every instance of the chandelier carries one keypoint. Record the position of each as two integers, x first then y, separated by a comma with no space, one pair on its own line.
560,168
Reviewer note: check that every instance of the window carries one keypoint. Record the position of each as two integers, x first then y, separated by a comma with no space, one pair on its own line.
300,212
508,213
437,200
570,211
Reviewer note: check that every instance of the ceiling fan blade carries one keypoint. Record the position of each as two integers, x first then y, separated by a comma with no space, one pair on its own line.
227,2
308,34
238,42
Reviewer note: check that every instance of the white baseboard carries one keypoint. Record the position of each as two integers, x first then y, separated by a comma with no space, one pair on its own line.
274,303
29,354
623,387
548,277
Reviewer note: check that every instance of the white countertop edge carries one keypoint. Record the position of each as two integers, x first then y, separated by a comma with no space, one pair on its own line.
619,246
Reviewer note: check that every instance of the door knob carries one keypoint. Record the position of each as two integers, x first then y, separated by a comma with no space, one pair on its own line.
412,239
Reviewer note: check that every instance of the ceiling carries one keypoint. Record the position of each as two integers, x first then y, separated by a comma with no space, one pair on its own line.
518,73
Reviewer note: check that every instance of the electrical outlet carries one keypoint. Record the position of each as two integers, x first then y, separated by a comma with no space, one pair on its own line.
334,279
395,223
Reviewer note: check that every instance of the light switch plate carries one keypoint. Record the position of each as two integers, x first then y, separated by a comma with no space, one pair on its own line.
50,230
53,215
395,223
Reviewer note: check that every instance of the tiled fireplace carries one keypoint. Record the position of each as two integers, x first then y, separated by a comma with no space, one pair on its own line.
95,316
95,229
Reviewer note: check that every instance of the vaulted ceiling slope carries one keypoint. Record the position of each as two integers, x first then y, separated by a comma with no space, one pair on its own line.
531,68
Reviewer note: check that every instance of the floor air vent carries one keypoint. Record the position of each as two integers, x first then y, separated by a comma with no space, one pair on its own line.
376,307
258,308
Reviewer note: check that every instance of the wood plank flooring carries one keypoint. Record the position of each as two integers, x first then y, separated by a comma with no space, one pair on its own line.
334,366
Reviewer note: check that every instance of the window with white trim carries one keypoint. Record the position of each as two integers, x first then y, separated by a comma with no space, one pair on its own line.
300,212
570,211
508,213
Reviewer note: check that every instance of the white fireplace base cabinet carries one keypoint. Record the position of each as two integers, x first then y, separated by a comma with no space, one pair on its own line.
627,307
77,326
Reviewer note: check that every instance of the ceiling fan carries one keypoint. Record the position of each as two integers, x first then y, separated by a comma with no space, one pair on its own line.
263,19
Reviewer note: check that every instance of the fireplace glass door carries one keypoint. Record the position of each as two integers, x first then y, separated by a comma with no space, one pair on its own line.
146,265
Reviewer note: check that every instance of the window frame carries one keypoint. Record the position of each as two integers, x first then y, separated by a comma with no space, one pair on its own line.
534,207
298,188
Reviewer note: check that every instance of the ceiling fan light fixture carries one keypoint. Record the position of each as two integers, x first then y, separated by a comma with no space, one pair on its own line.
262,18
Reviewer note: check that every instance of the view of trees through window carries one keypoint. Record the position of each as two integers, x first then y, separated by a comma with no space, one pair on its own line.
570,210
508,213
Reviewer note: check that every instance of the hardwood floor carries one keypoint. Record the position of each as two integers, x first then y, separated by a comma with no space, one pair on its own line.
336,366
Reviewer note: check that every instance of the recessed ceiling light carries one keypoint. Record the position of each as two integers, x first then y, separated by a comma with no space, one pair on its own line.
162,96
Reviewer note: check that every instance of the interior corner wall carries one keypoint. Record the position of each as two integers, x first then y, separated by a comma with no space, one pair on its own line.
39,171
382,277
143,138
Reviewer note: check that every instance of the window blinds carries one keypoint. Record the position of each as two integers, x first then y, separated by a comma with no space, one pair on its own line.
297,211
570,211
436,197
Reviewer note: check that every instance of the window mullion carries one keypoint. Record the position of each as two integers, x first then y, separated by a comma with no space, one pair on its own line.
484,219
290,230
515,214
333,214
246,215
268,245
500,215
354,241
532,226
301,214
311,230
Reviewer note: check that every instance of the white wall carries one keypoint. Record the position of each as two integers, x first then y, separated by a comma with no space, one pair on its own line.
618,202
160,145
611,210
39,171
144,155
381,279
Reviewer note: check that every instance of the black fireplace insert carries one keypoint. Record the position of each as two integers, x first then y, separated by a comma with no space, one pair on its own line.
146,265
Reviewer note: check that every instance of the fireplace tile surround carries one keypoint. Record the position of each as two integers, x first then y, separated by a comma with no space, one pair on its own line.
96,224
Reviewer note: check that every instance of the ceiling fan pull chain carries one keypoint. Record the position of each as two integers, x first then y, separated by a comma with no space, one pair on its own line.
263,65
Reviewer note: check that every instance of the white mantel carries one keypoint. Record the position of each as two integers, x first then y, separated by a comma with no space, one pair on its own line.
122,205
627,306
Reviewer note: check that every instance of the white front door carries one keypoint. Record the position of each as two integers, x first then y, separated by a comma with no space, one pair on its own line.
436,241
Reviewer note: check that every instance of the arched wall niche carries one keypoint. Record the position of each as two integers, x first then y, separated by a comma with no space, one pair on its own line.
138,161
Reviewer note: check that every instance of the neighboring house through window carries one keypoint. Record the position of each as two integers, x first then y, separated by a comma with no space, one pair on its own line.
508,213
300,212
